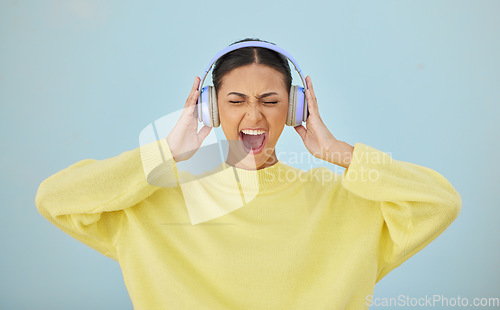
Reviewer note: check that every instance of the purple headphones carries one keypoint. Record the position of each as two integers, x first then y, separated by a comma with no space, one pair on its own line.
208,112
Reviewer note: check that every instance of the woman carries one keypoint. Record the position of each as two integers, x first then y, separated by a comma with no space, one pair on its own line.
302,240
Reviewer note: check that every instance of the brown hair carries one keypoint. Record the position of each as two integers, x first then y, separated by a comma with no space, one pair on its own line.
249,55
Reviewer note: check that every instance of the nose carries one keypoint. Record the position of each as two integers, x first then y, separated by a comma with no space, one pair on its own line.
254,112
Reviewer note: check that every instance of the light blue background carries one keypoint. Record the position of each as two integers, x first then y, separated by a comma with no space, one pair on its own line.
81,79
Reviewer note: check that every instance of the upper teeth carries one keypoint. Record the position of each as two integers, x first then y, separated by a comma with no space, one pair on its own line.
253,132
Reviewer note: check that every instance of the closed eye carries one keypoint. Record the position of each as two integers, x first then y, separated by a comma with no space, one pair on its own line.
267,102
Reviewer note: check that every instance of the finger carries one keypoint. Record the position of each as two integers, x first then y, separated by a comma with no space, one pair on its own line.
312,105
191,107
196,83
193,99
310,86
195,96
189,110
301,131
204,131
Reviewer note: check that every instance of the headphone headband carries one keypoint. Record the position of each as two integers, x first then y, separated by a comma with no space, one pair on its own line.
270,46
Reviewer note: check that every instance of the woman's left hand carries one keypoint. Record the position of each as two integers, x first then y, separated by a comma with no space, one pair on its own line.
318,140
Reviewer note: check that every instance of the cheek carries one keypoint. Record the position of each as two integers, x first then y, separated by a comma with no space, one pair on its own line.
277,117
277,121
229,120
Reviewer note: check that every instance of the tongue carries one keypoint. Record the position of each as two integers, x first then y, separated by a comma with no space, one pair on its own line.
253,141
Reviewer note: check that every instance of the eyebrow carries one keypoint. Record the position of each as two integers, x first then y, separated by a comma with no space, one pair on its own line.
260,97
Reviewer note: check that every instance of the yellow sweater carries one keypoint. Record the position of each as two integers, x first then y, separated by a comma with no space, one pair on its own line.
299,240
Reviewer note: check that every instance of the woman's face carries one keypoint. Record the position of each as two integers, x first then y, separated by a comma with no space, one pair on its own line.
253,104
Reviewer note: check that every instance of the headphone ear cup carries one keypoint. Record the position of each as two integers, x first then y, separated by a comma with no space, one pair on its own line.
301,105
203,105
213,107
292,103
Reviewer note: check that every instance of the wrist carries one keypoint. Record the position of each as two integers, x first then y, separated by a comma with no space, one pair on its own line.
340,153
167,139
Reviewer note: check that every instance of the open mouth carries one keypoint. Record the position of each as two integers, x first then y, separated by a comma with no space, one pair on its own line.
253,140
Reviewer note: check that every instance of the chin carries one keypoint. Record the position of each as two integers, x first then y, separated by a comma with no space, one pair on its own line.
252,155
239,158
258,161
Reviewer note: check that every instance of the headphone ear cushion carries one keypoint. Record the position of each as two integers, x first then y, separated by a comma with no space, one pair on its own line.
213,107
292,104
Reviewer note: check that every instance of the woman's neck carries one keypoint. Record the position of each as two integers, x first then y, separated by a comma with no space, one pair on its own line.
251,162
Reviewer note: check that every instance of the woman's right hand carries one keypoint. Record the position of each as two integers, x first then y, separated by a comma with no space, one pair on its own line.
184,139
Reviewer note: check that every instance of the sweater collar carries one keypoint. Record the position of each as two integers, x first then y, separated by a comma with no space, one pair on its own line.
228,178
230,188
262,180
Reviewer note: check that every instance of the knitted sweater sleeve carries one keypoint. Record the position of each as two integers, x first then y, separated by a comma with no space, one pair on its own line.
86,200
417,203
